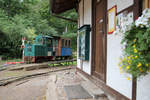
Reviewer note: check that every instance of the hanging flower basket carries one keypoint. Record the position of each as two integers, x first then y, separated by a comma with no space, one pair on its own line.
136,53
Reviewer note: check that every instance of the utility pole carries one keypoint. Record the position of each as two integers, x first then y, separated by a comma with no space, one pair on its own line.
23,46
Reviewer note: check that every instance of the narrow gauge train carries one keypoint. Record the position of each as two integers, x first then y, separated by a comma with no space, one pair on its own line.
47,48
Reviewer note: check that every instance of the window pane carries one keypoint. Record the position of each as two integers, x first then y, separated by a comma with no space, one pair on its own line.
66,43
49,42
69,44
56,43
62,43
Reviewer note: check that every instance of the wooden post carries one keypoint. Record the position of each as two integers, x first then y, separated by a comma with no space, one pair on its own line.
137,10
134,85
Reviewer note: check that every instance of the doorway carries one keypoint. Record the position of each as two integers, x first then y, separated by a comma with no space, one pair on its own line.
99,38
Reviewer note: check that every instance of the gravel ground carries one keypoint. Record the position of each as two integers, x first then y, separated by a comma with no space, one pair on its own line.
29,89
7,74
32,89
35,88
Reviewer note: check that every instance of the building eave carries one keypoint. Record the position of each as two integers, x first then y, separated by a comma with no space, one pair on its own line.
60,6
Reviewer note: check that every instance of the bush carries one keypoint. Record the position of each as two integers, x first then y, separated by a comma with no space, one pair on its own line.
136,57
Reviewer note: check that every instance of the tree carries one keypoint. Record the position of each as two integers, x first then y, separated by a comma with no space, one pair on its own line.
28,18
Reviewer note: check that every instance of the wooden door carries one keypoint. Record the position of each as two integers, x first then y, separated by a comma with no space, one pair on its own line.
99,39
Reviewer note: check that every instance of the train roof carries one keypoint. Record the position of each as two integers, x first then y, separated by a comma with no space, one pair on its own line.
55,37
46,36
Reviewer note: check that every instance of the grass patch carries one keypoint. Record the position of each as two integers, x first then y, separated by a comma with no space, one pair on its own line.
74,63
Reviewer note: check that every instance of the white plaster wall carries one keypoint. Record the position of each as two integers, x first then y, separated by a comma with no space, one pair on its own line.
80,13
115,79
121,4
87,11
143,88
85,65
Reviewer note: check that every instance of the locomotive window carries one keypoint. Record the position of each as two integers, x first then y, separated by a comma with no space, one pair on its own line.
49,42
66,43
29,49
69,45
56,43
62,43
40,41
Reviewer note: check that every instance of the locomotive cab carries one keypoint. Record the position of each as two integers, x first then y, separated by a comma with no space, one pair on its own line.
44,40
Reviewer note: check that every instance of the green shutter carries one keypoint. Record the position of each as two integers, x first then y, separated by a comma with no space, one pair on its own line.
84,42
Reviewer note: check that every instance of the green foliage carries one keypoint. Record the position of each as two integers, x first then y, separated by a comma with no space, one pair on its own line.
28,18
136,58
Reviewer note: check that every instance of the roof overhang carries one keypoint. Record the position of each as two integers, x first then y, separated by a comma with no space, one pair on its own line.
59,6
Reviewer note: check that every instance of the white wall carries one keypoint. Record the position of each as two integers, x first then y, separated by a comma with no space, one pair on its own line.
85,65
115,79
121,4
143,88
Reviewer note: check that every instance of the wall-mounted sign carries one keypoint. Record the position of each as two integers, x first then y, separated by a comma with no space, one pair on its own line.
112,19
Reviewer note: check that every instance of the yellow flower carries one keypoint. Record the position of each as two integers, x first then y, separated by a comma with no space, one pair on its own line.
129,57
124,59
128,67
121,61
132,57
139,64
136,57
146,65
129,61
135,50
134,46
121,68
128,78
